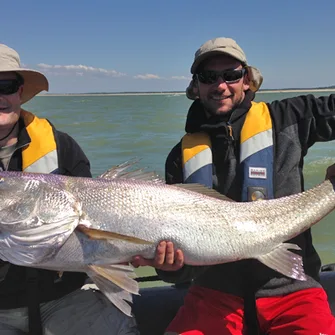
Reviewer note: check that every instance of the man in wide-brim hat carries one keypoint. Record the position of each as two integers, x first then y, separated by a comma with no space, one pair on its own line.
31,144
17,86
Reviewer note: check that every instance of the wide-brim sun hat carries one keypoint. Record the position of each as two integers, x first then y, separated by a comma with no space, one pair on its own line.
34,81
227,46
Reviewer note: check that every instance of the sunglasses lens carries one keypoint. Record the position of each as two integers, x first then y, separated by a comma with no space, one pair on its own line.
208,77
229,76
9,86
234,75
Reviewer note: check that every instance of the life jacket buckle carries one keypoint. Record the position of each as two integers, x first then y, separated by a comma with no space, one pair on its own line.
256,193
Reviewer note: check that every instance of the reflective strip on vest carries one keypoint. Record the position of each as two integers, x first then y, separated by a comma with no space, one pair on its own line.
256,133
256,143
45,164
198,169
197,159
40,156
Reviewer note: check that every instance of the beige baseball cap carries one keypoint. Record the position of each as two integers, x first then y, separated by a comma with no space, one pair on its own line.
227,46
34,81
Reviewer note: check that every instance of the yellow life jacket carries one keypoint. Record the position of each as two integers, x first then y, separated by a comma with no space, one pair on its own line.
256,155
40,155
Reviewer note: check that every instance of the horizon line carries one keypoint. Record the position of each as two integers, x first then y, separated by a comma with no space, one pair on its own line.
183,92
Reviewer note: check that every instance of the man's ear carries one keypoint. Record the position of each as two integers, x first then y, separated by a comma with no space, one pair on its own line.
195,81
246,82
20,91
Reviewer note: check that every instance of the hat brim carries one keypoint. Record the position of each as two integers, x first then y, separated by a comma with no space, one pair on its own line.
34,82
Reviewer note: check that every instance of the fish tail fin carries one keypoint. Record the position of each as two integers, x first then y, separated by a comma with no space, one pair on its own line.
115,283
284,261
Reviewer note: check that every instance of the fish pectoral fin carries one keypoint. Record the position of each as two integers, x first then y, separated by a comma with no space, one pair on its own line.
114,282
284,261
119,275
203,190
97,234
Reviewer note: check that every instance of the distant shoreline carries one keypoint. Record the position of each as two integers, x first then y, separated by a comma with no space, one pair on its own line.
105,94
300,90
312,90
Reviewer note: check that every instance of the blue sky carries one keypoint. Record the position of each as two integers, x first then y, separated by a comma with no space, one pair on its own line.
113,46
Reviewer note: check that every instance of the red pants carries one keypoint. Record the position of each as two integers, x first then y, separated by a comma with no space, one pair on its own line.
208,312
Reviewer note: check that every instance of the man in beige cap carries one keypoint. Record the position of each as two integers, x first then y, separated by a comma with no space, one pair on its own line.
27,296
247,151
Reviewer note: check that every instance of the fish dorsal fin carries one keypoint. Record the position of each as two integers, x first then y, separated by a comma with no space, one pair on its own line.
121,171
117,170
203,190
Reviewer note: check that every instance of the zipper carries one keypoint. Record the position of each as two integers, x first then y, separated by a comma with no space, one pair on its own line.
230,129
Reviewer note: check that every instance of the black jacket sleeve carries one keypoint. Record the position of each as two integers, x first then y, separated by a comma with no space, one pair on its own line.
174,175
315,117
72,160
173,166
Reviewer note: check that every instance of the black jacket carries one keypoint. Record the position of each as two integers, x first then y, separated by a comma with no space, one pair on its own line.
298,123
13,289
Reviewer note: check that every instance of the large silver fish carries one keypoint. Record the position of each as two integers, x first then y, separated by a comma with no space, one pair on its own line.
91,225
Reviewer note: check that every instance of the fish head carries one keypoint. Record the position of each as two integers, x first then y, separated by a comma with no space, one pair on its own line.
24,199
36,217
18,202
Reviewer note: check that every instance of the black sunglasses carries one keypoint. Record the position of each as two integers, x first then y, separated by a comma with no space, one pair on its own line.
9,86
229,76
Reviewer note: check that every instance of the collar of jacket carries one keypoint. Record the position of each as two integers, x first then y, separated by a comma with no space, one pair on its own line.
197,120
23,137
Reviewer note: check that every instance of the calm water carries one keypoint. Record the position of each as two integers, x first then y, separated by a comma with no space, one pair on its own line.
114,129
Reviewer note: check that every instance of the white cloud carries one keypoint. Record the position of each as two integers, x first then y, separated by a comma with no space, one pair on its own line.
82,70
147,76
78,70
44,66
